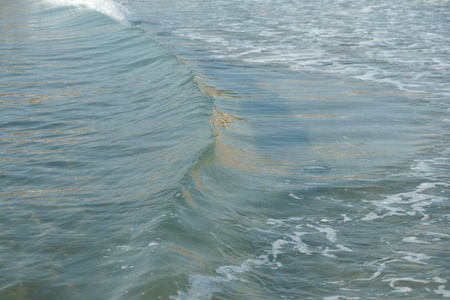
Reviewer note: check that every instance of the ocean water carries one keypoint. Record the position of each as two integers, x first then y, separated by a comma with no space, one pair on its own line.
249,149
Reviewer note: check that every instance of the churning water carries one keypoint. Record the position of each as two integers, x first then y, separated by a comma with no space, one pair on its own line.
250,149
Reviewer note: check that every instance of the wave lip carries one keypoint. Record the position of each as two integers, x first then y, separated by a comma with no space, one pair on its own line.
116,10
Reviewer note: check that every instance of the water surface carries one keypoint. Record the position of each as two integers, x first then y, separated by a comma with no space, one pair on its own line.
224,150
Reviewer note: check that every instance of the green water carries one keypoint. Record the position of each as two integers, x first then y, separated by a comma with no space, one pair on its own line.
229,150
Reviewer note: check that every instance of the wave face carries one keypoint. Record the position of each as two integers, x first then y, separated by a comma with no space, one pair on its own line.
100,124
230,150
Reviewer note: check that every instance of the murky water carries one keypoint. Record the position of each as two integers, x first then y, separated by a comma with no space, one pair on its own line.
224,150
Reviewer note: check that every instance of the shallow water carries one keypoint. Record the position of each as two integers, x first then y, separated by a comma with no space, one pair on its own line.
224,150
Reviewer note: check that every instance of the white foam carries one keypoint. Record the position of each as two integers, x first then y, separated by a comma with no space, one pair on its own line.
276,223
407,279
276,247
439,279
417,200
346,219
231,271
371,216
414,257
442,291
299,244
403,289
117,11
201,288
329,232
294,196
428,168
293,241
327,254
380,268
414,240
343,248
439,235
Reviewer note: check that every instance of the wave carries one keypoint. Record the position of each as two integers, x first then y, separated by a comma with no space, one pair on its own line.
230,153
124,177
105,124
116,10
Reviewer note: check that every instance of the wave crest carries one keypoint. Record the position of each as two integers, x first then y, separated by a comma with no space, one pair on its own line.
116,10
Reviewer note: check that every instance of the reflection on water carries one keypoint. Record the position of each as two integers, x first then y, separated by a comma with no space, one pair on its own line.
213,92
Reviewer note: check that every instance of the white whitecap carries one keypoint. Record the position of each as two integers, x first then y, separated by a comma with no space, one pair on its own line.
439,279
414,240
115,10
442,291
294,196
414,257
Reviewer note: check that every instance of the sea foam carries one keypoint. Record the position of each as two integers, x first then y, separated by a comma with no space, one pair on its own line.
116,10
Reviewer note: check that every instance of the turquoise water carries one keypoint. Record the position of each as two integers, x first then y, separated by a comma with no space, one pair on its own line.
224,149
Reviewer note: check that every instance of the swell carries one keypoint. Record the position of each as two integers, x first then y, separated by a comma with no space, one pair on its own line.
223,149
227,151
164,102
125,176
102,125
